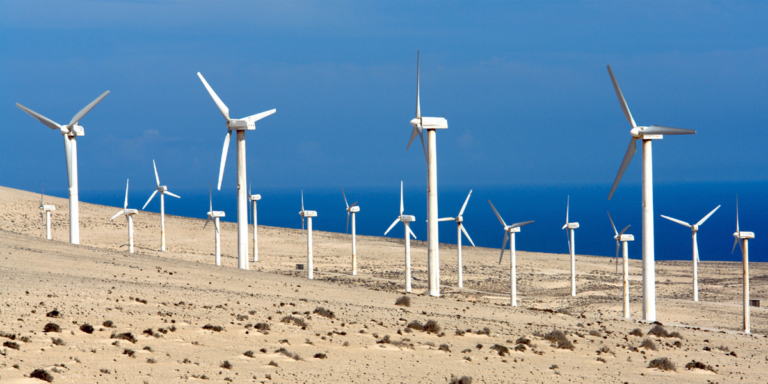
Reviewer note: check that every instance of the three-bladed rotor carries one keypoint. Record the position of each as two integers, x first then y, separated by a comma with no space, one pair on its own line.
304,213
619,237
460,218
568,225
740,234
694,227
402,218
420,123
211,213
350,208
72,129
160,188
507,229
125,211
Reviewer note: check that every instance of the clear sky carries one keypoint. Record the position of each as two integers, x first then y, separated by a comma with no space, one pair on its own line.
523,85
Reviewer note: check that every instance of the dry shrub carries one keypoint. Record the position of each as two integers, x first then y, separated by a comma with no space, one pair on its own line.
460,332
41,374
55,314
636,332
559,340
520,347
444,347
699,365
600,359
649,345
108,324
662,363
415,325
603,350
261,326
324,313
51,327
523,340
297,321
226,365
248,353
288,353
659,331
321,356
151,360
129,352
87,328
432,327
502,350
58,341
404,301
460,380
272,363
11,345
124,336
595,333
485,331
215,328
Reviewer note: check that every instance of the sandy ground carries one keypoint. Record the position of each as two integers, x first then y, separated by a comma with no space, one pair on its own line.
165,300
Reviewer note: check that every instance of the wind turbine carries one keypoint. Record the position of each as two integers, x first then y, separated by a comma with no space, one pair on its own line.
459,220
351,210
406,220
647,135
45,214
254,199
620,237
129,215
569,227
214,215
744,245
163,191
509,232
431,124
239,125
308,215
70,132
694,228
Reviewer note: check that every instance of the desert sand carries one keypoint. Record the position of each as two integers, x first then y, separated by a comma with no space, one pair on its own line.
190,321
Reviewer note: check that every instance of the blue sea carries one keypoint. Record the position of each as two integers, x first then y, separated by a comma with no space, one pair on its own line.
545,204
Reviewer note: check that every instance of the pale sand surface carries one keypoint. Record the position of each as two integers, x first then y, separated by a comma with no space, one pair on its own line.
99,281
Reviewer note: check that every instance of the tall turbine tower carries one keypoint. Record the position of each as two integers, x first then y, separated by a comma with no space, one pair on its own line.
406,220
431,124
214,215
70,132
128,215
620,237
308,215
509,234
351,210
694,228
569,227
239,125
163,191
254,199
460,223
742,238
647,135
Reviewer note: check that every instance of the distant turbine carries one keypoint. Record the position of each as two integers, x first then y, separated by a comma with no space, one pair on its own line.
431,124
509,232
459,220
70,132
308,215
254,199
406,220
129,215
647,135
694,228
45,214
163,191
744,244
569,227
351,210
620,237
214,215
239,125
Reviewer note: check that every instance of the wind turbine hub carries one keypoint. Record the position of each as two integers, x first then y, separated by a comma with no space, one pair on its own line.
459,219
416,122
512,230
636,132
162,188
354,209
241,125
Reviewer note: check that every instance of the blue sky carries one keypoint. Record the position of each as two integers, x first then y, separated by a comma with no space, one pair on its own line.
523,85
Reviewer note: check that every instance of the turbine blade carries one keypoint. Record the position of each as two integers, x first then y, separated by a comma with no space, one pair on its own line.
659,130
302,200
617,256
210,196
568,234
172,194
224,157
411,232
87,109
736,240
424,147
677,221
206,221
623,102
392,226
117,214
302,222
414,133
249,190
612,225
259,116
353,204
157,178
624,163
696,248
126,194
624,230
504,246
707,216
447,219
463,207
401,199
347,222
48,122
150,199
467,235
345,198
567,209
42,194
737,214
418,101
520,224
222,107
497,214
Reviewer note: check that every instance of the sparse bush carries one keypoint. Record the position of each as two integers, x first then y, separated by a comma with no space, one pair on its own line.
324,313
147,348
226,365
124,336
25,339
129,352
554,366
459,332
108,324
403,301
55,314
523,340
600,359
444,347
565,344
603,350
699,365
272,363
151,360
87,328
261,326
287,353
485,331
297,321
11,345
520,347
41,374
555,336
502,350
659,331
320,356
431,327
248,353
636,332
649,345
460,380
595,333
662,363
51,327
215,328
415,325
58,341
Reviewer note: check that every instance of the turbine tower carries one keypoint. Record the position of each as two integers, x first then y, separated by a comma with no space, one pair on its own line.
744,245
431,124
45,214
163,191
647,135
70,133
254,199
694,228
129,215
406,220
569,227
308,215
620,237
214,215
459,220
239,125
509,232
351,210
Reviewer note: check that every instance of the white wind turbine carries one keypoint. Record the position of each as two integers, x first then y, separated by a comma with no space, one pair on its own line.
509,233
70,132
694,228
622,238
406,220
254,199
431,124
239,125
129,215
744,245
308,215
45,214
647,135
459,222
163,191
214,215
569,227
351,210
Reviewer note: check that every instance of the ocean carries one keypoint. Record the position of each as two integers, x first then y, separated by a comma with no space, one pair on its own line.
545,204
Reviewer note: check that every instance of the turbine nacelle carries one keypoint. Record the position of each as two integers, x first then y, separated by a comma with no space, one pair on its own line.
215,214
308,213
355,208
625,237
571,225
128,212
255,197
511,229
75,130
744,235
407,218
241,125
162,188
430,123
47,208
